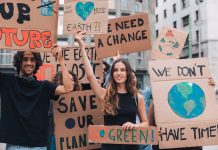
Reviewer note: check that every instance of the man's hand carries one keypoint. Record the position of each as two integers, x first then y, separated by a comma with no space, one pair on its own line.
57,52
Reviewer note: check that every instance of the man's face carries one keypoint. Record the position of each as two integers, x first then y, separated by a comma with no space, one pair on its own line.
28,64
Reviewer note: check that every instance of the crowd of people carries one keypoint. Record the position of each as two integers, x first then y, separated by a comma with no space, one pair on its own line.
26,104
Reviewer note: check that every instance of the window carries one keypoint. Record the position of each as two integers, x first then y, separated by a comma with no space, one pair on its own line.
185,21
174,24
112,13
6,57
125,14
165,13
92,40
126,57
196,15
124,4
197,36
164,0
156,3
139,61
137,8
187,41
156,16
157,33
185,3
174,8
140,81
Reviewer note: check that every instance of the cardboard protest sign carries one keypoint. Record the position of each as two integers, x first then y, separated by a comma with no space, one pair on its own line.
188,135
28,25
116,135
87,15
169,44
73,113
186,101
125,34
73,60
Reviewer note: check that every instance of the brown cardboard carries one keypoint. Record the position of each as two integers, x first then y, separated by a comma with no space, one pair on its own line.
73,61
31,27
178,69
137,25
188,135
190,110
73,113
93,22
169,44
116,135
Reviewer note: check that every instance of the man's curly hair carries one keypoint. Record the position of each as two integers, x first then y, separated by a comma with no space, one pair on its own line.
18,57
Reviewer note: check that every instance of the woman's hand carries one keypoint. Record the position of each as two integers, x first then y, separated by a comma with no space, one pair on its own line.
79,36
129,126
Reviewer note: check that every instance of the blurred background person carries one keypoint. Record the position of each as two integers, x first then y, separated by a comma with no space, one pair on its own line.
58,79
147,98
106,73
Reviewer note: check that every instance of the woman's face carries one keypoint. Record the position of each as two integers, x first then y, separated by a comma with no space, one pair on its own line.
119,73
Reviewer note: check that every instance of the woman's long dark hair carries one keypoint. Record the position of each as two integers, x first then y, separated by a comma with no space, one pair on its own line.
111,103
18,58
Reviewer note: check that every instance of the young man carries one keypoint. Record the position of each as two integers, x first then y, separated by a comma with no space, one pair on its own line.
25,102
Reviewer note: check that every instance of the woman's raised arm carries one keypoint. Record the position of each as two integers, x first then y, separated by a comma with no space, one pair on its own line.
96,87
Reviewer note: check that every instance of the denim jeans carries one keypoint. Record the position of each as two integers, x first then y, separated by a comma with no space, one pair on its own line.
145,147
52,145
16,147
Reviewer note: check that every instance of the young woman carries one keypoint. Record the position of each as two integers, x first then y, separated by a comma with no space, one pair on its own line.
119,97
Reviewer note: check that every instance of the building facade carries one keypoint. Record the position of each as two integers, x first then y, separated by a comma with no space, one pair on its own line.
199,19
6,59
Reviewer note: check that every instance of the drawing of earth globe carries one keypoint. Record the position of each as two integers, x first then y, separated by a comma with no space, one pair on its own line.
187,100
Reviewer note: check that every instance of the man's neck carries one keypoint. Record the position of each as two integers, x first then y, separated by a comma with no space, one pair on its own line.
28,76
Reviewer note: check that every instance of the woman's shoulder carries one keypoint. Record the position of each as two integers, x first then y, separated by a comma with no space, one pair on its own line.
140,97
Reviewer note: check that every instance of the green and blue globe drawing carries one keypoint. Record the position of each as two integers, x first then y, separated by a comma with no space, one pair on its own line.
187,100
